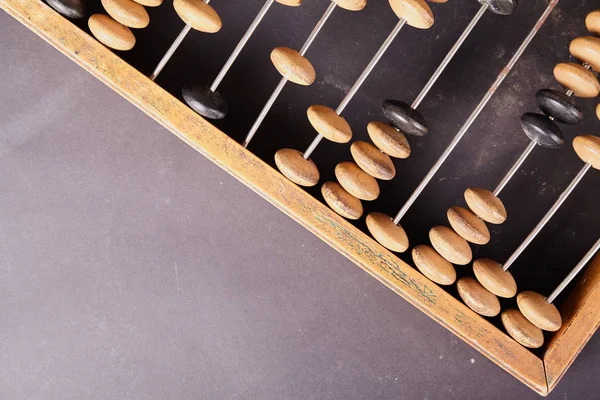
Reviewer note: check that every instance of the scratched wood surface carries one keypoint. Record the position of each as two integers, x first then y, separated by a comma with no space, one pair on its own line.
316,217
581,318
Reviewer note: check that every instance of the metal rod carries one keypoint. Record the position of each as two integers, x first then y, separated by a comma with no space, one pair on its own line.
365,74
476,112
240,46
283,81
311,148
317,28
450,55
359,82
575,271
547,217
511,172
264,111
186,29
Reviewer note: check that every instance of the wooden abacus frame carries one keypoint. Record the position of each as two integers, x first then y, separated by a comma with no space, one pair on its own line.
581,315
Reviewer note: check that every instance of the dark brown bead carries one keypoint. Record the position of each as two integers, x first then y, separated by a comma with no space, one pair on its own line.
559,106
542,130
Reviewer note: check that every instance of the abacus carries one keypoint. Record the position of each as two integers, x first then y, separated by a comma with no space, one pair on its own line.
483,308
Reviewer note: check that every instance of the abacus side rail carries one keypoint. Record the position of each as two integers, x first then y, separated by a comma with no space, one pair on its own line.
270,184
581,318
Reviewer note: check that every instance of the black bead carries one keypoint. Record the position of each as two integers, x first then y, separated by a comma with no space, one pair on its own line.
205,102
559,106
502,7
405,118
542,130
74,9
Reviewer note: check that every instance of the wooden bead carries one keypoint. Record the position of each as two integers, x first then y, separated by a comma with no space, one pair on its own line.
416,12
587,50
587,148
371,160
486,205
559,106
351,5
468,225
451,246
356,181
198,15
111,33
292,164
492,277
387,233
433,266
598,111
592,22
538,311
149,3
501,7
520,329
478,298
341,201
332,126
542,130
291,3
293,66
581,81
74,9
388,139
127,12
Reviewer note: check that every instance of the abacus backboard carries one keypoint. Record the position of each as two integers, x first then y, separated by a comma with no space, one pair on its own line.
339,54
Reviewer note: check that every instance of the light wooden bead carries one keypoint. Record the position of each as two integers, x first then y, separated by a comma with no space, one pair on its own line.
520,329
127,12
149,3
198,15
388,139
371,160
341,201
581,81
293,66
351,5
478,298
416,12
587,50
291,3
468,225
538,311
356,181
492,277
433,266
292,164
111,33
387,233
592,22
332,126
451,246
486,205
587,148
598,111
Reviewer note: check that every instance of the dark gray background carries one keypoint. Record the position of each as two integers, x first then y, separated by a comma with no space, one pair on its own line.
133,268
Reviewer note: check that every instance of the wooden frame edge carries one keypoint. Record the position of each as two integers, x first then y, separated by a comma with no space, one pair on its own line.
271,185
581,319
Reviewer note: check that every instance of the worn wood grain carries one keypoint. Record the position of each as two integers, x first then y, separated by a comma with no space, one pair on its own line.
581,318
274,187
